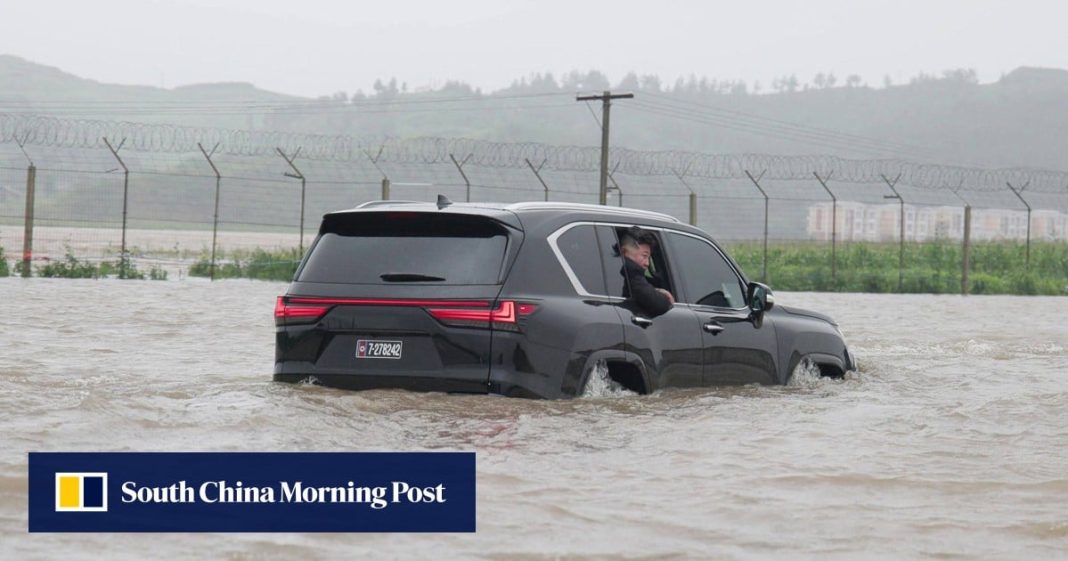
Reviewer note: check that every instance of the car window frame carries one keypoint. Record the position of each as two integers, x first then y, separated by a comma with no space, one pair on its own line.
676,279
572,276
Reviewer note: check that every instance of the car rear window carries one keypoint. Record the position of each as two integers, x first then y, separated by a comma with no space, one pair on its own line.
407,248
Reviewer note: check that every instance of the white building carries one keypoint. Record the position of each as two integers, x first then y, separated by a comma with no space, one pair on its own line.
881,223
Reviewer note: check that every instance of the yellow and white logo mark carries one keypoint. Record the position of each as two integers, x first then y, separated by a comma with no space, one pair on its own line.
81,492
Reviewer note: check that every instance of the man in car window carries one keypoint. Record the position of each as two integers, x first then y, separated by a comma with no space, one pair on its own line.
636,246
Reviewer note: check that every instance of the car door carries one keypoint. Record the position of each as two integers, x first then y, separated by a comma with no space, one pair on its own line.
669,344
737,349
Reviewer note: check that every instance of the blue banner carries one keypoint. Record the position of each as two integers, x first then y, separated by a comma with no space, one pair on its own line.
252,492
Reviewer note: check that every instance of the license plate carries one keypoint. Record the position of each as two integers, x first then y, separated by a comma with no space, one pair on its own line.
374,348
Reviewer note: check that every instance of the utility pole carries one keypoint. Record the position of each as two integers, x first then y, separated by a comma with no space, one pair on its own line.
606,104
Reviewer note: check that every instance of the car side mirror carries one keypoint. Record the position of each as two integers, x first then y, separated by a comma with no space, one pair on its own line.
760,298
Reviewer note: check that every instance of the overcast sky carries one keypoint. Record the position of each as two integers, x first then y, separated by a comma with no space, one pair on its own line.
317,47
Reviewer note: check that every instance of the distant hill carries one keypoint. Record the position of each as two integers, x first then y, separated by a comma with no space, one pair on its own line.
1020,120
31,87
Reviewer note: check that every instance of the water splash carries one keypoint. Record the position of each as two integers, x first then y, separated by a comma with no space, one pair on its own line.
805,375
600,384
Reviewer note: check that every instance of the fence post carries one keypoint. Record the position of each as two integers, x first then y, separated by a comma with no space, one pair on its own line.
536,171
966,240
215,221
756,181
27,238
834,226
460,168
124,259
296,174
616,187
31,187
693,194
385,178
901,236
966,251
1027,254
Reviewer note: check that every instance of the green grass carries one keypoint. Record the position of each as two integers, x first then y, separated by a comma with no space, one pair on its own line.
997,267
70,267
933,267
258,264
4,271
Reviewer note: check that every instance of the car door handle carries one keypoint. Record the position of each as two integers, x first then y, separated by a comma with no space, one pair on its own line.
640,321
713,328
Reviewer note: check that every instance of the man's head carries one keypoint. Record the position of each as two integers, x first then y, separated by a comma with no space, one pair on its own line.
637,245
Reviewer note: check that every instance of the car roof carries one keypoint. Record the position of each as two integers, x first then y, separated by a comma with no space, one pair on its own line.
516,208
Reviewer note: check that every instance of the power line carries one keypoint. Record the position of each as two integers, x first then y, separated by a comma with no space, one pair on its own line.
827,141
750,117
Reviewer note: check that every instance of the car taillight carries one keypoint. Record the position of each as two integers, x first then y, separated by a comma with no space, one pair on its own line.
305,309
506,316
286,311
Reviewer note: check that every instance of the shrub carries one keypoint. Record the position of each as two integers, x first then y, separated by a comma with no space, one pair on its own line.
69,268
259,264
932,267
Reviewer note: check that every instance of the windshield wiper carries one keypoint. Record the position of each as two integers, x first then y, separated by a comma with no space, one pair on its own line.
409,277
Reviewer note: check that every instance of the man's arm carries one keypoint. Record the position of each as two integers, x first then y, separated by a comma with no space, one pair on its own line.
644,294
666,295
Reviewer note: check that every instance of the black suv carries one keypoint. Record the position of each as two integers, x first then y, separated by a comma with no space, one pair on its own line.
524,299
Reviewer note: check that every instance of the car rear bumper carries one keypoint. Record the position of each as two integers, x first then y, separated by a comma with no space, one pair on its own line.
371,382
501,381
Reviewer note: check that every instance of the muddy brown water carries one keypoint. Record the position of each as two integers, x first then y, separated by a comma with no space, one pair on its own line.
951,442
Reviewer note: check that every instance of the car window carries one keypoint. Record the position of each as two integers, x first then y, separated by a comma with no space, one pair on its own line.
613,261
579,249
707,278
403,247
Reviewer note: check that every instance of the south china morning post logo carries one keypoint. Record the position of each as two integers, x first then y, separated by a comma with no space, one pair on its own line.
211,492
81,492
252,492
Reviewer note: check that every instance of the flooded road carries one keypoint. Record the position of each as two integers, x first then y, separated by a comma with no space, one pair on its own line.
950,443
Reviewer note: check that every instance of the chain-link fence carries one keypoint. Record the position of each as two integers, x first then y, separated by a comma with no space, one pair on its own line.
818,223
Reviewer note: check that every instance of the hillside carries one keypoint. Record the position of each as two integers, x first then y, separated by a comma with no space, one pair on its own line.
1020,120
30,87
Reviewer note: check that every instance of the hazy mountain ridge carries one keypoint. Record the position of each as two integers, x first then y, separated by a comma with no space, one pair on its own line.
1020,120
30,87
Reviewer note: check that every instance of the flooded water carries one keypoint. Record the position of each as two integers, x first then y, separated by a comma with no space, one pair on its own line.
950,443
